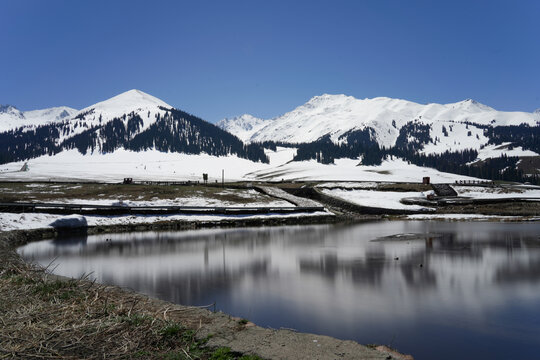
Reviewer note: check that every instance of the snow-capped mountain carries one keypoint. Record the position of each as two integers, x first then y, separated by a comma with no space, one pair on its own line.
11,117
127,105
135,132
453,127
243,126
133,121
132,101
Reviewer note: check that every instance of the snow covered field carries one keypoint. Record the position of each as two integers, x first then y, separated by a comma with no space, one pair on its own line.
378,199
153,165
395,170
150,165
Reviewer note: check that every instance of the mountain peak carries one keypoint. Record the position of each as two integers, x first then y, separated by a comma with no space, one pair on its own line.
244,117
9,112
471,104
132,98
7,108
328,97
243,126
125,103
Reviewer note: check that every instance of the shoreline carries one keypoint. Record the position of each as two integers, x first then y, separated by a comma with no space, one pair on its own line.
212,330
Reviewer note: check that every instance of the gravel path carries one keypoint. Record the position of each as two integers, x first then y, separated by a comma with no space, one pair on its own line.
281,194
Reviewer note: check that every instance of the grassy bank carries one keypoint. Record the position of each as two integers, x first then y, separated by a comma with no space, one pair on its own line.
53,192
44,316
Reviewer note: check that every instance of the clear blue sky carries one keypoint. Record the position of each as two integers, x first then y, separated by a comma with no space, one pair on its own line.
225,58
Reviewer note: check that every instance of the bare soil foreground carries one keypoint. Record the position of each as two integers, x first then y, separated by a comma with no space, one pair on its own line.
44,316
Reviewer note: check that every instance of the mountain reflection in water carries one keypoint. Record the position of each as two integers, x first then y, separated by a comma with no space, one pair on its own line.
432,289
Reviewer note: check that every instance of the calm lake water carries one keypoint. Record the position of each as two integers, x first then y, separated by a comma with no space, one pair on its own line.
436,290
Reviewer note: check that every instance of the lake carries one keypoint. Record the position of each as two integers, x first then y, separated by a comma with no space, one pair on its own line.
443,290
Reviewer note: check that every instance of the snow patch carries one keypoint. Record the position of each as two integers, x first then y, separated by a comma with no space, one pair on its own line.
377,199
495,151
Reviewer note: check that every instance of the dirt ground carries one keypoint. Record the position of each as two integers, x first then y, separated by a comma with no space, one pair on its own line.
521,208
51,192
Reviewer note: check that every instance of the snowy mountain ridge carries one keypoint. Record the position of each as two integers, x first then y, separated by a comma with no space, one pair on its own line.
11,117
242,126
338,115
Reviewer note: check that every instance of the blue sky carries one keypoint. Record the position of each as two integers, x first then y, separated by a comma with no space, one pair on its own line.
224,58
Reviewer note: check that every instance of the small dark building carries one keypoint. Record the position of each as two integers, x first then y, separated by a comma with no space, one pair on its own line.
425,180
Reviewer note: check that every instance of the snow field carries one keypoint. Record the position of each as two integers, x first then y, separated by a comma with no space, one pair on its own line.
395,170
378,199
153,165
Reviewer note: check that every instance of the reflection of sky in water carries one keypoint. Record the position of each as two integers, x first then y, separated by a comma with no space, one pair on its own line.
445,288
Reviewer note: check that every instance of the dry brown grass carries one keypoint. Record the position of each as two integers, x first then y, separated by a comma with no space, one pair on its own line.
523,208
50,192
403,187
46,317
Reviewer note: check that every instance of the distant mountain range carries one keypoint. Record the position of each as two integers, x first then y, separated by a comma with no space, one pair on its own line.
11,117
449,127
466,137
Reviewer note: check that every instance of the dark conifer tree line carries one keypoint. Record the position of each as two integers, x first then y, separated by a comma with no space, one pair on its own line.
417,132
523,135
411,140
175,131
